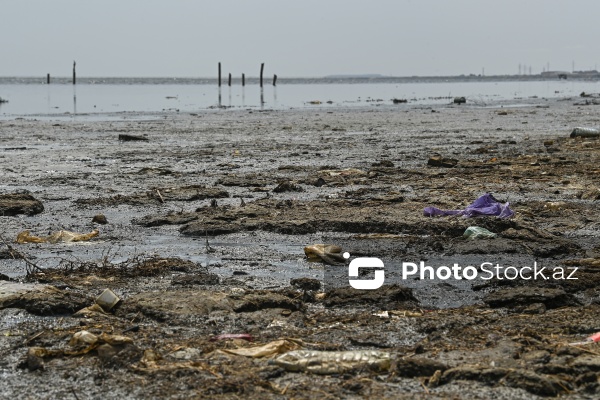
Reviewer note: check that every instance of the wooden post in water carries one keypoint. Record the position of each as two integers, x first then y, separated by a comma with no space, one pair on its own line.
47,79
219,74
262,68
74,80
229,81
274,79
243,79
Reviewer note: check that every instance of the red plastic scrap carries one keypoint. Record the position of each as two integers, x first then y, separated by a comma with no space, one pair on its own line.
595,338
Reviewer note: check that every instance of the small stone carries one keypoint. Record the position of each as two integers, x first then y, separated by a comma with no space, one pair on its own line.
100,219
288,186
34,362
320,182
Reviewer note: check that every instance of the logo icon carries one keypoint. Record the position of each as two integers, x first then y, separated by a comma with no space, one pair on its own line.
366,262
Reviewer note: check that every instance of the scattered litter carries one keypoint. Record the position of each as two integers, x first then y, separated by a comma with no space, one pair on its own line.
328,253
595,338
584,262
333,362
57,237
485,205
35,356
342,172
436,160
406,313
83,338
382,314
188,353
585,132
230,336
555,205
87,312
107,300
90,340
267,350
277,323
320,296
236,292
477,232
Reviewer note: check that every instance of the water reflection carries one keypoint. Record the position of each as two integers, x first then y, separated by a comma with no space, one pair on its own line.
262,97
74,100
35,98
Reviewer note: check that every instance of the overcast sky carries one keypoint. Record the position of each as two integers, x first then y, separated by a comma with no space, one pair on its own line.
186,38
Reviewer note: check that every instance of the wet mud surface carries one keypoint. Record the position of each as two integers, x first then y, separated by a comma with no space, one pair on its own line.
206,222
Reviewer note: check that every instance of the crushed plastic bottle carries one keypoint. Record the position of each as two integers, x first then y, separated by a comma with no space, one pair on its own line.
585,132
477,232
333,362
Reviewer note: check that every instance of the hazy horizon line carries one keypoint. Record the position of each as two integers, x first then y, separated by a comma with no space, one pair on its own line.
330,76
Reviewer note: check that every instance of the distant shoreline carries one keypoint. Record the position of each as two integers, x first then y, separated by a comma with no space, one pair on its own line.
331,79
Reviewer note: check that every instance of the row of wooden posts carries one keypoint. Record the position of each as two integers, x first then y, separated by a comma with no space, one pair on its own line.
262,68
74,75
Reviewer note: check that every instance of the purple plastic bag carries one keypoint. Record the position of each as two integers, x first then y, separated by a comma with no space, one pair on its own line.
485,205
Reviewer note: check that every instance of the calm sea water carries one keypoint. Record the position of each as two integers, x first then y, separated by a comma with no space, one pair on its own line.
107,96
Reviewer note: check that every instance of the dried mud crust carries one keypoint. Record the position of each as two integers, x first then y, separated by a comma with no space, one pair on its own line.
360,177
170,343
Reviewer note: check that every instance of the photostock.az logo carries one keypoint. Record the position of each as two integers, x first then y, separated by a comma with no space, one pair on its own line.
366,262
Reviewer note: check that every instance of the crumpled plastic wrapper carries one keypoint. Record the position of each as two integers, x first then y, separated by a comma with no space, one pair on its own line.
333,362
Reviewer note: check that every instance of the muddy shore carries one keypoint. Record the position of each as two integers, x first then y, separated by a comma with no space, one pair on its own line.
207,217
